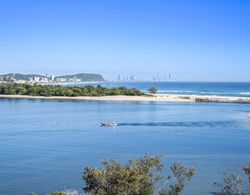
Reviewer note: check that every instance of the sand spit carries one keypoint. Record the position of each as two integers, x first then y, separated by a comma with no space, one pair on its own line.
154,98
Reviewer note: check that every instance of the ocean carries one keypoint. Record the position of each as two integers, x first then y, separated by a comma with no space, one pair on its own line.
188,88
45,144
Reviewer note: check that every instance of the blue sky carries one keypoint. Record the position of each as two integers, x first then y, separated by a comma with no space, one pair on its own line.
202,40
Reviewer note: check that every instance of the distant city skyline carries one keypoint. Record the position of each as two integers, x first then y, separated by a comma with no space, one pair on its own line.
191,40
162,78
51,77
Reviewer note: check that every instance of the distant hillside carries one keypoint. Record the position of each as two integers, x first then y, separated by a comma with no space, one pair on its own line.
84,77
18,76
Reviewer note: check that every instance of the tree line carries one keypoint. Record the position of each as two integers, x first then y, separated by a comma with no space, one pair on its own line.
58,90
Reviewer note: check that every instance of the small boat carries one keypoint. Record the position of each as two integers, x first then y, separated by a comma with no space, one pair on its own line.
108,124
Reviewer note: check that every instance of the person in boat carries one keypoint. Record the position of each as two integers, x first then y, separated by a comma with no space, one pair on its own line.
109,123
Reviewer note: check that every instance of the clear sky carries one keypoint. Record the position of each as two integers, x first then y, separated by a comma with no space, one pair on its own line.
202,40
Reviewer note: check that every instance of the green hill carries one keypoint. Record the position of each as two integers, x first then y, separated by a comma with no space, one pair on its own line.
84,77
18,76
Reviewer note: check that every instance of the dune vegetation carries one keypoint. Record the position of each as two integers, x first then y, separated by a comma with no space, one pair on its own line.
71,91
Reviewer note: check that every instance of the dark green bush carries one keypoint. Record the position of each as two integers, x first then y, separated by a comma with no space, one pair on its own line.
51,90
152,90
138,177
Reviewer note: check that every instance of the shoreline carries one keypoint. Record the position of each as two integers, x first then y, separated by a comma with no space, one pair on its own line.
154,98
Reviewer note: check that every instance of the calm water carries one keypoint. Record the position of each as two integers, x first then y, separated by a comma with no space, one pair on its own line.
187,88
44,145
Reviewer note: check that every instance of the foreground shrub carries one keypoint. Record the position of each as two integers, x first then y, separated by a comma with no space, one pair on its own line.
233,184
180,175
141,177
138,177
247,171
68,192
58,193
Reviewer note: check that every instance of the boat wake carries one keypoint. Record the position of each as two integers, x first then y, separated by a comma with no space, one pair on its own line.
184,124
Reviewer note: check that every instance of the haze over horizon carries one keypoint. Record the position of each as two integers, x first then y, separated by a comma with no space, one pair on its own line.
192,40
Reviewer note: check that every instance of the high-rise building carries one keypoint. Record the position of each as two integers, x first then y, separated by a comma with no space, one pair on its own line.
52,77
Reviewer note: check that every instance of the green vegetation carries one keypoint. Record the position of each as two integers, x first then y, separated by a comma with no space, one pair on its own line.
202,100
152,90
138,177
144,176
234,183
247,171
180,174
84,77
185,97
135,178
58,193
51,90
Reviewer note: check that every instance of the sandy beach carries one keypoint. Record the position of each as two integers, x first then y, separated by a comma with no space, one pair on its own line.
154,98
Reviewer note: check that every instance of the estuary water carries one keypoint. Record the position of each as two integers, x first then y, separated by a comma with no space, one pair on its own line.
45,144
